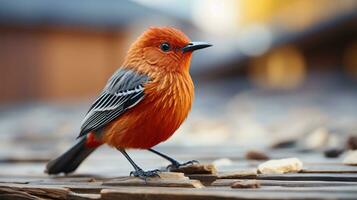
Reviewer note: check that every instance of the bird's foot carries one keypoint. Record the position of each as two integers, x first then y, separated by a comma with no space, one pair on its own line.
177,165
145,174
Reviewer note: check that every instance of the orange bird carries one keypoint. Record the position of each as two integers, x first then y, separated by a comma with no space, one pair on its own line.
142,104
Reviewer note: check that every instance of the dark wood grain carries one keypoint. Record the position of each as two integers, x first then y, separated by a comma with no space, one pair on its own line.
347,177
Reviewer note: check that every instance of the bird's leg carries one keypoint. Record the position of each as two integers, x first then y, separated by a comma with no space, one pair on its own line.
138,171
174,163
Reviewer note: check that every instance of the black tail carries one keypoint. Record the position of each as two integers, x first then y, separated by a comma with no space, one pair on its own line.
71,159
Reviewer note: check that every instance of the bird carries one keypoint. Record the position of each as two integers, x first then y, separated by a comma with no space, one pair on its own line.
142,104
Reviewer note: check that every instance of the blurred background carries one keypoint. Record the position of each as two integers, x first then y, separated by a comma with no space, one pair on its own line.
279,70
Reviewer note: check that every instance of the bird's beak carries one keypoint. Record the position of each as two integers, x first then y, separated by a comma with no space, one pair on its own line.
192,46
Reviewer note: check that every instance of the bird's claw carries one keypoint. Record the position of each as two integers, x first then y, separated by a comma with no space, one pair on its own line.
191,162
178,165
145,174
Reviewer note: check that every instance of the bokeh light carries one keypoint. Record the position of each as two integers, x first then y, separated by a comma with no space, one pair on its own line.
283,68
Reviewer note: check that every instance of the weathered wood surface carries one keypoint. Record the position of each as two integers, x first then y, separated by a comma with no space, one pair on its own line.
320,179
180,194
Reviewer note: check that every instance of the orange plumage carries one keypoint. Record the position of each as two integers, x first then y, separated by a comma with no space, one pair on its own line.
143,103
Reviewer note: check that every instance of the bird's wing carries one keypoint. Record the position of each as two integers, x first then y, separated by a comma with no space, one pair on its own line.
123,90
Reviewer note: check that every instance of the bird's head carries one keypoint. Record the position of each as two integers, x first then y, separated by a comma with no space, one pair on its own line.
163,48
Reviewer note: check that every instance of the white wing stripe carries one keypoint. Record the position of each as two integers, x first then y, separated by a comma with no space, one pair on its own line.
95,120
100,105
108,103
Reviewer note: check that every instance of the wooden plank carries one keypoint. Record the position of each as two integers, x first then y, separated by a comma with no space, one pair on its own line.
352,189
348,177
87,188
23,180
70,179
345,192
133,181
306,183
78,196
214,194
166,179
66,180
38,190
84,188
13,193
249,173
328,168
48,180
207,179
246,184
229,182
15,160
224,182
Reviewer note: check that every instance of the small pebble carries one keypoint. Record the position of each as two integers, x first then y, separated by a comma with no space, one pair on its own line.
256,155
284,144
246,184
350,158
333,153
317,139
352,143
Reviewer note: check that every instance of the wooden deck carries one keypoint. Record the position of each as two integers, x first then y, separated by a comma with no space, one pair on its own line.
321,178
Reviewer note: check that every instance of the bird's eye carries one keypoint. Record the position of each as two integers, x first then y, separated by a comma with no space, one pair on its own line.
165,47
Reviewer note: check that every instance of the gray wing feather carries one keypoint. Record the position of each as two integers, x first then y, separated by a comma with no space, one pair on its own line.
123,90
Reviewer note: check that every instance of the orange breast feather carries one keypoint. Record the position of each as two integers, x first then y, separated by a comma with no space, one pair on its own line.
165,106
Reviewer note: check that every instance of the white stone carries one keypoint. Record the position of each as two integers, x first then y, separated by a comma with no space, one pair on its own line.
280,166
350,158
317,139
